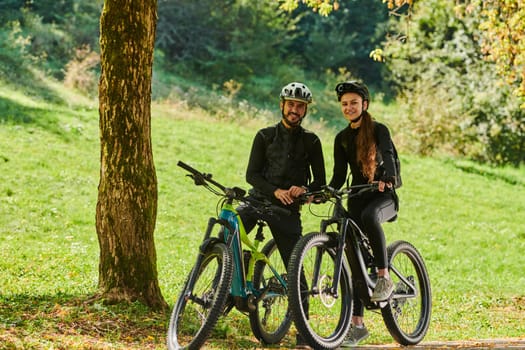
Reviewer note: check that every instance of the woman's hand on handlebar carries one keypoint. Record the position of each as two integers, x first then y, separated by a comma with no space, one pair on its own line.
381,186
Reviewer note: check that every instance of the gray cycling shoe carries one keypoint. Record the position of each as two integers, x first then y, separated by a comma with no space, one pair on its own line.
354,336
383,290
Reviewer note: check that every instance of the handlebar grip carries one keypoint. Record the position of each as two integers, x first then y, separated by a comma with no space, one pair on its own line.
318,197
187,167
198,178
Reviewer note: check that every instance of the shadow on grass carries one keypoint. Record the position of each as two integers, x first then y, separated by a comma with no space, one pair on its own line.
26,80
12,112
487,172
70,321
65,321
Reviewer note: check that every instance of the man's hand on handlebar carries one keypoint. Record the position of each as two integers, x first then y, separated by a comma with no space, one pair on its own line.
288,196
296,191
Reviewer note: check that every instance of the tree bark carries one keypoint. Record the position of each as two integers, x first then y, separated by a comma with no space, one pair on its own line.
127,192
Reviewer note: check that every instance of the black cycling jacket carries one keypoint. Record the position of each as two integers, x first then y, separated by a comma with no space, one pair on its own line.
282,157
345,154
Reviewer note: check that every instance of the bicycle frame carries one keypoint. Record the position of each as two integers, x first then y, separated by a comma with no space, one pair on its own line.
347,227
363,282
354,255
234,233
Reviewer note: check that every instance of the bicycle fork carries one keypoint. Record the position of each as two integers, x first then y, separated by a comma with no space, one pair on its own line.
342,226
206,242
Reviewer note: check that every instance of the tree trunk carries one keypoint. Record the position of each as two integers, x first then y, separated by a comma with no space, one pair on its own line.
127,192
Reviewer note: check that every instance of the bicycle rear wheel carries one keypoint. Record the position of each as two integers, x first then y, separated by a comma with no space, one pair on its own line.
202,300
407,314
321,316
271,319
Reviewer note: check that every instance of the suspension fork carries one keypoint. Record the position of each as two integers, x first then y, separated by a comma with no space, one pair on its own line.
342,225
206,242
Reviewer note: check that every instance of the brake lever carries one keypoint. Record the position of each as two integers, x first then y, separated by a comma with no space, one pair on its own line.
199,180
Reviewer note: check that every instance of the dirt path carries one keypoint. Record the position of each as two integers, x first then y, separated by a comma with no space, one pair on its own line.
510,343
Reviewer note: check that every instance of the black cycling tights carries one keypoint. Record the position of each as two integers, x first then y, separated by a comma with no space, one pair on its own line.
369,212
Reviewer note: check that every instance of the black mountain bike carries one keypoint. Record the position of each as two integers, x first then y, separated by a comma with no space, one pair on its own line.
325,318
231,271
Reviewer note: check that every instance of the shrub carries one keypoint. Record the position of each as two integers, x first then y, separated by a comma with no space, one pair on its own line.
80,72
14,51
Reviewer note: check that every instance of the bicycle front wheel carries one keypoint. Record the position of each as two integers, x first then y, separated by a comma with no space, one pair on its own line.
271,319
407,314
202,300
321,314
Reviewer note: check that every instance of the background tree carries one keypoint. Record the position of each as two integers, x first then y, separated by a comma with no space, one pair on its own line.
455,101
503,28
244,41
345,38
127,197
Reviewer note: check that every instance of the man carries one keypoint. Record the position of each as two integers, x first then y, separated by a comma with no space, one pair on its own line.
282,161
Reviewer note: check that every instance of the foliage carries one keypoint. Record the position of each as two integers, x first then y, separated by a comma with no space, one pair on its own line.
14,50
233,41
80,72
55,29
327,6
251,42
10,11
503,31
342,40
452,97
48,41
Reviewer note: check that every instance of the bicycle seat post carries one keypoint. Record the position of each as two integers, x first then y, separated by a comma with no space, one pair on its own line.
260,236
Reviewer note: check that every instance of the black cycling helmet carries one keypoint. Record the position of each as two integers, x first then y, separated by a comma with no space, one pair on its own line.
296,92
352,86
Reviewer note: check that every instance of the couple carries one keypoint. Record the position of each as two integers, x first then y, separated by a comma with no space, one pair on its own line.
284,157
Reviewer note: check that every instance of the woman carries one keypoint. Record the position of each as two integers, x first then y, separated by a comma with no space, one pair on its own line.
365,145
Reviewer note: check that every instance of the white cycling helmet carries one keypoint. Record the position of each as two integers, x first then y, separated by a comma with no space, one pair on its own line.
297,92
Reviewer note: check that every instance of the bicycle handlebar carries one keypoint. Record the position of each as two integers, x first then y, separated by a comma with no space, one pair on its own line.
266,206
327,193
202,179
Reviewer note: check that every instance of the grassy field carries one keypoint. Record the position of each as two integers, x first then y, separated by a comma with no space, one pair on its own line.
467,220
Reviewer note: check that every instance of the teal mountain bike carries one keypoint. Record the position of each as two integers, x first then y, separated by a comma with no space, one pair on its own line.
339,253
231,271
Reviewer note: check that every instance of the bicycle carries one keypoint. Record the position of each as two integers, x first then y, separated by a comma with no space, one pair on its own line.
325,320
231,271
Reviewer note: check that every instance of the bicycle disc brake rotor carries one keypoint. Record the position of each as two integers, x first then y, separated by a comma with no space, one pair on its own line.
325,294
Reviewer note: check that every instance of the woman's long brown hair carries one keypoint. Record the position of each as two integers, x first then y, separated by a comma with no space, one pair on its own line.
366,147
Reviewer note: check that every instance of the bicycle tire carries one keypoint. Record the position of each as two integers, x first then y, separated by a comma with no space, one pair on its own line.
407,314
200,304
327,321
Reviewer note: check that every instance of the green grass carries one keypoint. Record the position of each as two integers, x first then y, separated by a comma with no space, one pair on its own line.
467,221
